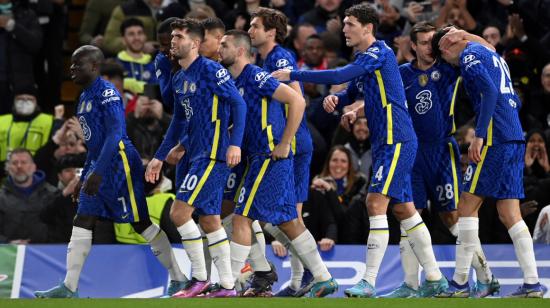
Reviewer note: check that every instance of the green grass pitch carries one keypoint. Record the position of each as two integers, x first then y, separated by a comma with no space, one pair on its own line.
275,303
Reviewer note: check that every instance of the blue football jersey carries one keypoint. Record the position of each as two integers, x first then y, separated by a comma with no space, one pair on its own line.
279,58
487,81
430,98
265,121
101,116
142,69
207,97
385,103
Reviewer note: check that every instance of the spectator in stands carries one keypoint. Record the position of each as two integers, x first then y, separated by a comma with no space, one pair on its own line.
465,134
20,41
94,22
239,18
22,197
536,156
456,13
299,36
139,68
26,127
492,35
360,147
325,16
58,214
328,212
313,58
146,126
144,10
201,12
539,101
214,30
542,228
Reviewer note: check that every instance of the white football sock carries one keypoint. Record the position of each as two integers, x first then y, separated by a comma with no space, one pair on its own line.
468,237
408,261
162,249
77,252
523,245
193,245
239,253
296,265
377,244
218,244
421,244
306,248
206,251
258,234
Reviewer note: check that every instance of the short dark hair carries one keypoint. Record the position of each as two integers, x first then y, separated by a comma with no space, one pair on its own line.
314,36
365,14
213,23
191,26
273,19
164,26
421,27
436,52
242,38
19,151
130,22
111,68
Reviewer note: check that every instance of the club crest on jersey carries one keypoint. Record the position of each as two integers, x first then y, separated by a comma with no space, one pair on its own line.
192,87
423,80
86,131
359,86
146,75
282,63
436,75
89,106
108,92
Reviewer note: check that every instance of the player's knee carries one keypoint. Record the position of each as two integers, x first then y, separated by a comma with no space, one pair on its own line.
141,225
85,222
179,214
210,223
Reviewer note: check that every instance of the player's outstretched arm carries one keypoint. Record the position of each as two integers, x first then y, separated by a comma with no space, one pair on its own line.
296,107
334,76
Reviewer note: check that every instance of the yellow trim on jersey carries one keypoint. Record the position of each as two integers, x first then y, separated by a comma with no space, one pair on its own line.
385,104
452,111
490,133
478,170
293,142
203,179
392,168
217,128
390,123
255,187
381,87
265,126
237,193
455,177
129,181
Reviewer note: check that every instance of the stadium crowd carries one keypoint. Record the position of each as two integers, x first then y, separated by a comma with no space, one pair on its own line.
41,144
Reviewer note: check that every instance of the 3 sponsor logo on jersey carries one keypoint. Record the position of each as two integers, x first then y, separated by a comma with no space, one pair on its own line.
86,131
425,102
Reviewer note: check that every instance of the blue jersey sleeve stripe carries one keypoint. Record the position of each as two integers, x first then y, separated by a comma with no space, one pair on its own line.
129,182
392,168
255,187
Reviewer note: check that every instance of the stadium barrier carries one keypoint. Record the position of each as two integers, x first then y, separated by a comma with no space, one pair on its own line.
131,271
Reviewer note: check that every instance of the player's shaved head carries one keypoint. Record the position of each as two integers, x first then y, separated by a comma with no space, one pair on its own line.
241,39
92,53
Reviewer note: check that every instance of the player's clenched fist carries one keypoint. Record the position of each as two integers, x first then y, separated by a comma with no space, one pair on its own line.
233,156
330,102
281,151
347,119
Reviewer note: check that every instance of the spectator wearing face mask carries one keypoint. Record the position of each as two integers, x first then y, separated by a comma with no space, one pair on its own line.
26,127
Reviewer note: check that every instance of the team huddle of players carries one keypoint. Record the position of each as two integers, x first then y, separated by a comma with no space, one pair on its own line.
233,117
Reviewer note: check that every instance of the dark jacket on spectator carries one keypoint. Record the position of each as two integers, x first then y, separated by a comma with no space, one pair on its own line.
18,46
146,140
20,210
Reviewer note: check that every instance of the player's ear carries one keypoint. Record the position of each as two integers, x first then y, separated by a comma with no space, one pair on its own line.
368,27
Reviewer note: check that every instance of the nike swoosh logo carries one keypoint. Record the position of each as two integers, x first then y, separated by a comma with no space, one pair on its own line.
374,184
125,216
